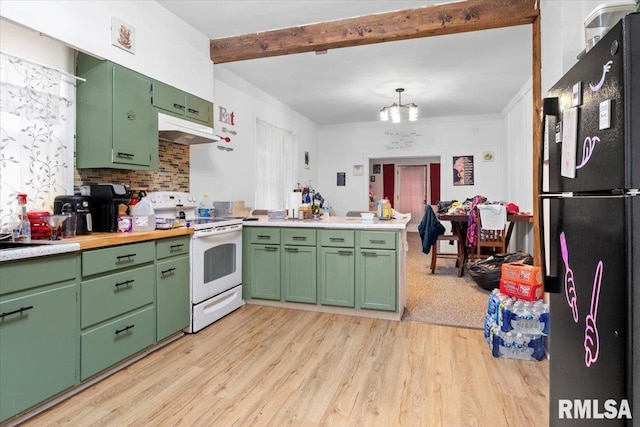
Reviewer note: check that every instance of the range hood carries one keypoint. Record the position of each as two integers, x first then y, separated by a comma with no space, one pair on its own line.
181,131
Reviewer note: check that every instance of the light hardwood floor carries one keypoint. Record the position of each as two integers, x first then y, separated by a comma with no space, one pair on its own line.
268,366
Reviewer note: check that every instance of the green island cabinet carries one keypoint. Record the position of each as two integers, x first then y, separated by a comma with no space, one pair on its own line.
376,269
334,267
117,314
182,104
264,263
38,330
298,268
337,268
117,127
172,284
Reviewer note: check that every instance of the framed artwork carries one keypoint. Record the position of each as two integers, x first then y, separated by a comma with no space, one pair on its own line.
372,179
306,160
376,168
463,170
342,179
358,170
123,35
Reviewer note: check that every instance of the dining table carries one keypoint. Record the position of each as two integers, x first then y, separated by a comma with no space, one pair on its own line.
459,220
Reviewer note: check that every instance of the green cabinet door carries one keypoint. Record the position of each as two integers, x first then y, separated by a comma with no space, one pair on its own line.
134,132
337,276
265,271
377,279
299,273
172,302
181,104
116,126
199,109
38,346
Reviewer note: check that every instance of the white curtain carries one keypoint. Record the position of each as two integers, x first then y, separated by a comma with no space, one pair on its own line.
276,165
36,137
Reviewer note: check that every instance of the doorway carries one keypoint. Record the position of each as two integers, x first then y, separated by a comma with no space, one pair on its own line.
412,191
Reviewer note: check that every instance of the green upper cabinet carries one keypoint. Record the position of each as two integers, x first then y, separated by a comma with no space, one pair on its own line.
116,125
181,104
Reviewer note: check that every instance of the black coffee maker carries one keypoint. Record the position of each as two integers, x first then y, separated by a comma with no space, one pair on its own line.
107,201
81,206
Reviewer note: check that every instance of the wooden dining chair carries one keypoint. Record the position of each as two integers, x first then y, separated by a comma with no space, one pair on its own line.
459,256
489,241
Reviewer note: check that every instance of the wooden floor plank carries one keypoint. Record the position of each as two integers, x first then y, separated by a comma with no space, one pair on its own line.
272,366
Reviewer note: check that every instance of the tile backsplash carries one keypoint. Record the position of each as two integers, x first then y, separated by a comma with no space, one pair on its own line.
172,174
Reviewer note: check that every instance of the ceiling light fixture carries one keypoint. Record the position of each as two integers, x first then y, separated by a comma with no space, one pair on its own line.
394,110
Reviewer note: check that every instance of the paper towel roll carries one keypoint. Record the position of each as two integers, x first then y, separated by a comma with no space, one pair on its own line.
293,202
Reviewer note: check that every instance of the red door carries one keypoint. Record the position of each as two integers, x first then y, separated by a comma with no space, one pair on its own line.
389,182
434,175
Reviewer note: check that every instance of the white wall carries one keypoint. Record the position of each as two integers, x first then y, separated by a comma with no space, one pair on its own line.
343,146
166,48
230,175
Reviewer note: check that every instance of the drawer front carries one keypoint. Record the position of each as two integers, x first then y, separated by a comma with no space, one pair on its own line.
265,235
377,239
115,258
171,247
337,238
299,236
115,341
26,274
110,296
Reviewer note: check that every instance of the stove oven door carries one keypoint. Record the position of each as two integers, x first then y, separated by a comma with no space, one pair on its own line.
216,261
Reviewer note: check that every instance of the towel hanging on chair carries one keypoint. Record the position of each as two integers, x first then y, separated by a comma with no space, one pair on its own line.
493,217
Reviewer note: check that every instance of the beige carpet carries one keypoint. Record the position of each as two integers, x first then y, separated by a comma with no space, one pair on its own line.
442,298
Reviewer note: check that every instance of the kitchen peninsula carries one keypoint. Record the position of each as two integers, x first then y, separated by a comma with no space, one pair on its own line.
340,265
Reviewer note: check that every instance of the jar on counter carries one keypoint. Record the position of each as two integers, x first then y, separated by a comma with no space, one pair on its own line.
383,209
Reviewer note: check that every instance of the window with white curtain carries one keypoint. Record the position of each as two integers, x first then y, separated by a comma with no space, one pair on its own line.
36,144
276,165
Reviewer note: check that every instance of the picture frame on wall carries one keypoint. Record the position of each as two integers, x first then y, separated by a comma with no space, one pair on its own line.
358,170
341,179
123,35
306,160
463,170
376,168
372,179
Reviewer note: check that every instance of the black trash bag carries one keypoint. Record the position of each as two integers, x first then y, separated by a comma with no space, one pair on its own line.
486,272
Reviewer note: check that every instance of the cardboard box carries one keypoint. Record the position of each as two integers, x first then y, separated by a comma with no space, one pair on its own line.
522,273
525,291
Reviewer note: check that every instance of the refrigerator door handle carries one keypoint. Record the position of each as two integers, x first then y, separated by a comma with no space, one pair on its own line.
552,284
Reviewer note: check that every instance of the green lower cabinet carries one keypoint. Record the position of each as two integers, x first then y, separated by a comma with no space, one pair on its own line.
299,274
377,279
38,346
337,276
116,340
265,272
172,300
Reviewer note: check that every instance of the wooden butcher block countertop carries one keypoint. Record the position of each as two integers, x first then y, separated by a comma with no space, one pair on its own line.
101,240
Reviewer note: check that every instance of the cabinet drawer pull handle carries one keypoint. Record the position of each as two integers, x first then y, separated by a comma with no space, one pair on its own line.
125,283
263,236
178,106
291,249
368,253
299,238
345,252
192,111
20,310
336,239
171,270
125,329
176,247
126,155
131,115
128,256
271,248
381,242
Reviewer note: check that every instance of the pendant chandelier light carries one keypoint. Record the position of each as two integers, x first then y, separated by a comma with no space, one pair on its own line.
394,110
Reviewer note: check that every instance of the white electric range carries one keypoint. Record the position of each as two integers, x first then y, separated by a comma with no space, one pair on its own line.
216,257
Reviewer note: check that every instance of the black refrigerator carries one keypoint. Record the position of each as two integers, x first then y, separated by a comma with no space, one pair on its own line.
590,233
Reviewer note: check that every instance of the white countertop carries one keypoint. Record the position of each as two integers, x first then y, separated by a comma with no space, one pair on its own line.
334,222
43,248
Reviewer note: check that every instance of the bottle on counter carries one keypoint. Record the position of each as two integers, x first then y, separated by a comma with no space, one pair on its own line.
205,208
69,225
23,232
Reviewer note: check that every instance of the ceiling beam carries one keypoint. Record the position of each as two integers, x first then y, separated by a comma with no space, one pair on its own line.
436,20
